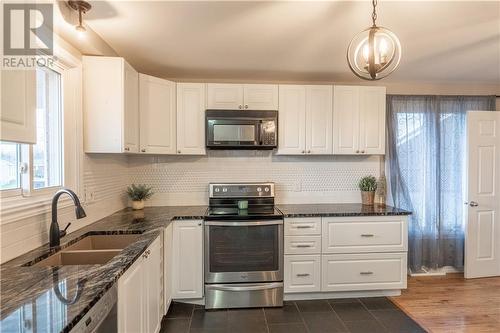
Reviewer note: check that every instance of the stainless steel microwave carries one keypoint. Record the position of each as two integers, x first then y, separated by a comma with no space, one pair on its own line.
228,129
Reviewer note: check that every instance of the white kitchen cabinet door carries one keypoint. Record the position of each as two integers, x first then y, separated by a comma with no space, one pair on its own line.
18,106
372,120
292,118
167,264
188,259
345,120
224,96
191,118
153,284
319,123
131,109
260,97
110,105
131,298
157,115
302,273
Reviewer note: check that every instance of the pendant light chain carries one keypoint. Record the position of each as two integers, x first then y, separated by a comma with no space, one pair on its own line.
374,13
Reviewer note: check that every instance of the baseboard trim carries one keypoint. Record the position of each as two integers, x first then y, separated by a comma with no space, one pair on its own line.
341,294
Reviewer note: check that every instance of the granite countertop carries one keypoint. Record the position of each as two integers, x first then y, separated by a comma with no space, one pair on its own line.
36,298
347,209
30,296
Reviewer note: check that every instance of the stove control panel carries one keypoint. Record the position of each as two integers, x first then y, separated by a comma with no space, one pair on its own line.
250,190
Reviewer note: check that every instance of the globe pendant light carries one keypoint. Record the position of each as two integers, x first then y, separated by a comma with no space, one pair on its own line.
375,52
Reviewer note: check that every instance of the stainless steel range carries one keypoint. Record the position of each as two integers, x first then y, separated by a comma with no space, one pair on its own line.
243,247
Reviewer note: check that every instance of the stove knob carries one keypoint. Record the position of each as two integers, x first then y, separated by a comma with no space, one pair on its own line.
217,189
259,189
224,189
266,189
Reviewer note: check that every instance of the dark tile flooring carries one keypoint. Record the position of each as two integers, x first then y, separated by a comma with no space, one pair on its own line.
364,315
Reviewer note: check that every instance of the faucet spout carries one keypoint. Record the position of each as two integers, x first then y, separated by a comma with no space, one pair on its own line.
55,232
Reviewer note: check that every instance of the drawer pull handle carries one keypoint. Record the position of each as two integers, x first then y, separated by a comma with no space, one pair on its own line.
303,275
304,226
302,245
366,273
367,235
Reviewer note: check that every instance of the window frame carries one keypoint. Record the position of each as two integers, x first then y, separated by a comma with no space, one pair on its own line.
24,202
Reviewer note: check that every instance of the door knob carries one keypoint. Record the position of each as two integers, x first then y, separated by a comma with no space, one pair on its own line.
473,204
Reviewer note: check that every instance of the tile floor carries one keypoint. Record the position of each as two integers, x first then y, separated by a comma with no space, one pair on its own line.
366,315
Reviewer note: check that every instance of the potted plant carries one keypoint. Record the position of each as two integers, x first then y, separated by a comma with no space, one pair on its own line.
139,193
367,185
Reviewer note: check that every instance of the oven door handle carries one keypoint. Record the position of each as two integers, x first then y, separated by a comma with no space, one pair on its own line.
244,223
245,287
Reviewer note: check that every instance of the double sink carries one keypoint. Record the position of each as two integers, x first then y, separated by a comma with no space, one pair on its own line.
92,249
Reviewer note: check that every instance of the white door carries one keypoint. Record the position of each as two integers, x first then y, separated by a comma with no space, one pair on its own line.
167,264
18,106
153,285
223,96
482,246
131,110
319,123
372,120
345,120
131,299
157,115
260,97
191,118
292,119
302,273
187,259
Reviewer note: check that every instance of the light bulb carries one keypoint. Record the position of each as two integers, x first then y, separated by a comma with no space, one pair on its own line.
366,51
81,31
383,48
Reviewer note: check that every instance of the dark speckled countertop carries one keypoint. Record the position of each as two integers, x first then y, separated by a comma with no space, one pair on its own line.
29,300
29,294
348,209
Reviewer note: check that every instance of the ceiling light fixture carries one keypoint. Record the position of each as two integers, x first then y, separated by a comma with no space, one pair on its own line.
80,7
375,52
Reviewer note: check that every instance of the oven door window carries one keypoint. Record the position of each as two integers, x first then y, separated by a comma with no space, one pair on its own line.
244,248
238,133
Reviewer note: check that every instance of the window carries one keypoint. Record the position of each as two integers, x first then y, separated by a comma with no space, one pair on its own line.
29,168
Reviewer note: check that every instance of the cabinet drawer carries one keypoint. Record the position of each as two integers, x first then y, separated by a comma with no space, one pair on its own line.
370,271
303,226
302,244
364,234
302,273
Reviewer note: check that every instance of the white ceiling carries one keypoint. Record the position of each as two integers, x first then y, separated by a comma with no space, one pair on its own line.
457,41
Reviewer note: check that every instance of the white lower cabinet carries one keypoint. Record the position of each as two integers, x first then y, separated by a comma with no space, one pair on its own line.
167,272
302,273
367,271
139,293
187,259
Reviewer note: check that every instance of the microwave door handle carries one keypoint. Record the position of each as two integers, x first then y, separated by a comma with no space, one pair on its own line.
261,130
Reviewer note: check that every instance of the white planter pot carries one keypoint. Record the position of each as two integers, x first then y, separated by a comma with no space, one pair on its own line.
136,205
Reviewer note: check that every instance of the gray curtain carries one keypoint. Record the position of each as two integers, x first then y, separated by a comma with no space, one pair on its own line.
426,158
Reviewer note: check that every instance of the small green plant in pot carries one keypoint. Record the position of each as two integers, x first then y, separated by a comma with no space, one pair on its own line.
367,185
138,194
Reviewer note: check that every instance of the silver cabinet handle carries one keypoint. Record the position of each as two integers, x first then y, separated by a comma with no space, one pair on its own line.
143,150
362,152
304,227
303,152
246,106
366,273
308,151
303,274
178,152
473,204
302,245
199,223
367,235
240,107
126,148
357,151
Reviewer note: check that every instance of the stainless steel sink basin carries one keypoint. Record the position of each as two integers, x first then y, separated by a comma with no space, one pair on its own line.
103,242
90,250
64,258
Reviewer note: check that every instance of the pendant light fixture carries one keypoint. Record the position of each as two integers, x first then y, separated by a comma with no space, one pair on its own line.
81,7
375,52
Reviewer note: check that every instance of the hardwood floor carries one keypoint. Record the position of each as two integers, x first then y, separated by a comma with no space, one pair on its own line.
452,303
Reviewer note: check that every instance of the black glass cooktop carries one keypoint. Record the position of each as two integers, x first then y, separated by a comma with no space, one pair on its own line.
252,213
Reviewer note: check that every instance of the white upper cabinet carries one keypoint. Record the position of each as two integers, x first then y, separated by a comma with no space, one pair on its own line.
292,119
260,96
359,120
319,115
18,106
305,119
157,115
110,105
191,118
224,96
